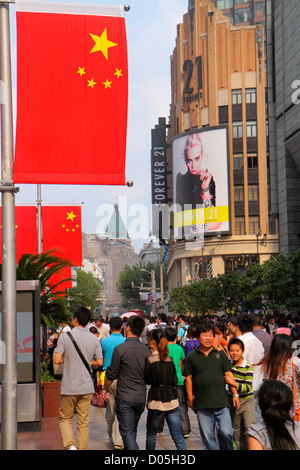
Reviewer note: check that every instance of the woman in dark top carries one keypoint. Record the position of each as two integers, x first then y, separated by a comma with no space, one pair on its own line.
160,373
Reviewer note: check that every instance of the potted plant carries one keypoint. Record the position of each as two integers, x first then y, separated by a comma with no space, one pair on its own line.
50,392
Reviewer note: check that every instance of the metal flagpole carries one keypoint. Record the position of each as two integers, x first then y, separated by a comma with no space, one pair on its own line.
9,295
39,218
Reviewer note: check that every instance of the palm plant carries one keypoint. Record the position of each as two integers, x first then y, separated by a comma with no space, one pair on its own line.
41,267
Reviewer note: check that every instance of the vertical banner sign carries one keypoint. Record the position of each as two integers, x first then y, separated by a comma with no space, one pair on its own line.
62,234
72,94
159,179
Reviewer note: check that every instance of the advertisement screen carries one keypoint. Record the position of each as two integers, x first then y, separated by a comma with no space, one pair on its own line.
25,338
201,183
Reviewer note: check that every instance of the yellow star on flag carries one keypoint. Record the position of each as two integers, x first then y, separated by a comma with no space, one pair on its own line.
71,216
107,83
81,71
102,44
91,83
118,73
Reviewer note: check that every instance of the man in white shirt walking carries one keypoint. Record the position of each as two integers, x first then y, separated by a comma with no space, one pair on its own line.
253,353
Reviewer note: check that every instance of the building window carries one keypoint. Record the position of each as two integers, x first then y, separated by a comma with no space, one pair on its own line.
239,226
241,1
238,162
236,96
259,9
250,95
239,262
237,129
253,193
243,15
251,129
252,160
253,225
224,4
239,193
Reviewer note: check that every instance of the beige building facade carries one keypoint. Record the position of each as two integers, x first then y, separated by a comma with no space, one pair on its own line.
111,256
218,79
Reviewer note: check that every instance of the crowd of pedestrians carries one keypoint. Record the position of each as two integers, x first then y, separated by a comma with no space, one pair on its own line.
239,374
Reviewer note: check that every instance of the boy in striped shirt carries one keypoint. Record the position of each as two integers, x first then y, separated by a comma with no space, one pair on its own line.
243,375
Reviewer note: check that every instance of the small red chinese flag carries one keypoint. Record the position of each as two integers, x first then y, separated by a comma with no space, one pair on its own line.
62,234
72,94
25,231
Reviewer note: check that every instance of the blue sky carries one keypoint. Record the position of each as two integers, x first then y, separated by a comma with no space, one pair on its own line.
151,32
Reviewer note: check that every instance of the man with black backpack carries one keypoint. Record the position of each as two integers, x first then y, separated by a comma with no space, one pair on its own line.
162,321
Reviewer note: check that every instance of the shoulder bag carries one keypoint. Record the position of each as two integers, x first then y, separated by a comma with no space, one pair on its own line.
80,353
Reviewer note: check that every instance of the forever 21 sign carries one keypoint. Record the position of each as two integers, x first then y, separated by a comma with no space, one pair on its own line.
188,68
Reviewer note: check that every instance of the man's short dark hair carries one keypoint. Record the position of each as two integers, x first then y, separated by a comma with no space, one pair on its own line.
83,315
245,323
94,330
171,334
256,319
136,324
115,323
204,328
163,317
233,320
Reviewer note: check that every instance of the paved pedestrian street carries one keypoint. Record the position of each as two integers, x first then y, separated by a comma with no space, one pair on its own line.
49,438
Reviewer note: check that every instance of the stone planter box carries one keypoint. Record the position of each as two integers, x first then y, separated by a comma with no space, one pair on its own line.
50,398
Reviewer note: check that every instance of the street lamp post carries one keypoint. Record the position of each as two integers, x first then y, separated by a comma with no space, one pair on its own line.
153,288
9,308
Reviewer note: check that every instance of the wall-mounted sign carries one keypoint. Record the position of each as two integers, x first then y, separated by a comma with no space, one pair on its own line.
201,182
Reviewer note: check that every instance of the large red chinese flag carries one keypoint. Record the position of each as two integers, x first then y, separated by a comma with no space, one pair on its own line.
25,231
62,234
72,94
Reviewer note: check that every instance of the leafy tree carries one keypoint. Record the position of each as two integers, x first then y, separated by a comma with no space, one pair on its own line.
130,280
231,285
180,300
88,290
199,298
274,284
282,280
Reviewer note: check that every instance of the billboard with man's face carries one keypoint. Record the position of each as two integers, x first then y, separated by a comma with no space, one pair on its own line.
201,183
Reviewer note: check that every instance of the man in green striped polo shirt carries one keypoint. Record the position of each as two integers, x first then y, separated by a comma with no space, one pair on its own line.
242,371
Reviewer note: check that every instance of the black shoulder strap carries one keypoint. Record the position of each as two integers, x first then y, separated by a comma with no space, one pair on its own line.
79,352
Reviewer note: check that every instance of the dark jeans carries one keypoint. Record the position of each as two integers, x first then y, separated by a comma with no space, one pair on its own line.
128,415
172,417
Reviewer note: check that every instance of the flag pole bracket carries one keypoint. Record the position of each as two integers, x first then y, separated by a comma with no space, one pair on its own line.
6,186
